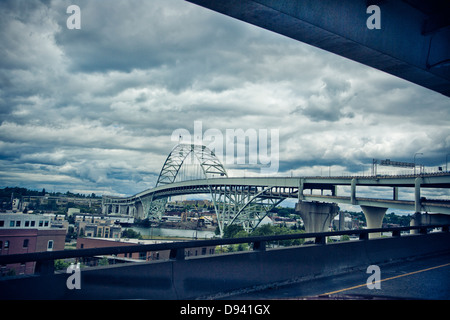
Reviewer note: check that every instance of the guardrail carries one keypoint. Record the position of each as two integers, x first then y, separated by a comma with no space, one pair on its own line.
45,260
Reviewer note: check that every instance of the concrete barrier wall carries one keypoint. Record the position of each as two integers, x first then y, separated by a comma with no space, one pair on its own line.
211,275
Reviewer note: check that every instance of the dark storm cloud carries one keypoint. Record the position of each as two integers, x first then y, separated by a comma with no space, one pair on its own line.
94,109
330,102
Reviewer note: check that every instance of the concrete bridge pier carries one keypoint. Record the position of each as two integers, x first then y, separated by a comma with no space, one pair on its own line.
374,218
317,216
139,211
423,219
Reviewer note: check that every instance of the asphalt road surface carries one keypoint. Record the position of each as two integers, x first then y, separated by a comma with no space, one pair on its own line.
424,278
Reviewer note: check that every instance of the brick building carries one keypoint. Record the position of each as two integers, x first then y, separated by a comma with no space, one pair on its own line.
27,233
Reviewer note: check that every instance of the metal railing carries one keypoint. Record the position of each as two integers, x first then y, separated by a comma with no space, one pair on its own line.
45,260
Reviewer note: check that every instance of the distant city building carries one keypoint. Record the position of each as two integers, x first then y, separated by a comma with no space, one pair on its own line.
15,204
100,226
103,229
57,202
344,221
72,211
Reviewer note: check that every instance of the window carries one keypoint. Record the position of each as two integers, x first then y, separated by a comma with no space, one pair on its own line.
46,224
25,243
2,223
18,223
11,223
27,223
33,223
41,223
7,244
50,245
203,251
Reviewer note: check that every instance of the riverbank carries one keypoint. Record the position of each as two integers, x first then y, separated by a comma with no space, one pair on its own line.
185,225
173,233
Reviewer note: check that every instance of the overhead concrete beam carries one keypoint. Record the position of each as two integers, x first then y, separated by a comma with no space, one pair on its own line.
412,43
423,219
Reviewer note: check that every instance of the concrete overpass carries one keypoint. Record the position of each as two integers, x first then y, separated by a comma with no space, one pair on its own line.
409,39
319,192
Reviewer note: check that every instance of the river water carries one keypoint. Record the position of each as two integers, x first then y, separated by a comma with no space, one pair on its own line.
168,232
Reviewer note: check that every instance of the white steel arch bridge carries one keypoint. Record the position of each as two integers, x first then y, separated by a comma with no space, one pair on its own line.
195,169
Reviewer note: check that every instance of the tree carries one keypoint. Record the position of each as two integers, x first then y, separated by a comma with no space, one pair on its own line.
61,264
103,261
130,233
232,230
269,230
392,218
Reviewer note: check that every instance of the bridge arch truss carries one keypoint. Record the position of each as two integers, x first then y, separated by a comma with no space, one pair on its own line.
246,205
187,154
183,154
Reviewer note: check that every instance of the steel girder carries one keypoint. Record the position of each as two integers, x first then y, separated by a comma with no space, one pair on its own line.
244,205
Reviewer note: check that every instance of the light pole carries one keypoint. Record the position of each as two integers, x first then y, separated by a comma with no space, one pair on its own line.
415,161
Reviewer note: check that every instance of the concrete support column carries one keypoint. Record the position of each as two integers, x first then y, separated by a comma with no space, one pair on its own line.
374,218
341,221
417,201
423,219
139,211
395,193
317,216
416,220
300,189
353,191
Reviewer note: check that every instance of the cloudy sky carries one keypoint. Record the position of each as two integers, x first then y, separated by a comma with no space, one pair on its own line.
93,110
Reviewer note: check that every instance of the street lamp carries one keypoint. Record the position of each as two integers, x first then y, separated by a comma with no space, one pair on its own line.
415,161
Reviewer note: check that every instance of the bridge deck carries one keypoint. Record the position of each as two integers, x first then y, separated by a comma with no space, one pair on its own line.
287,187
